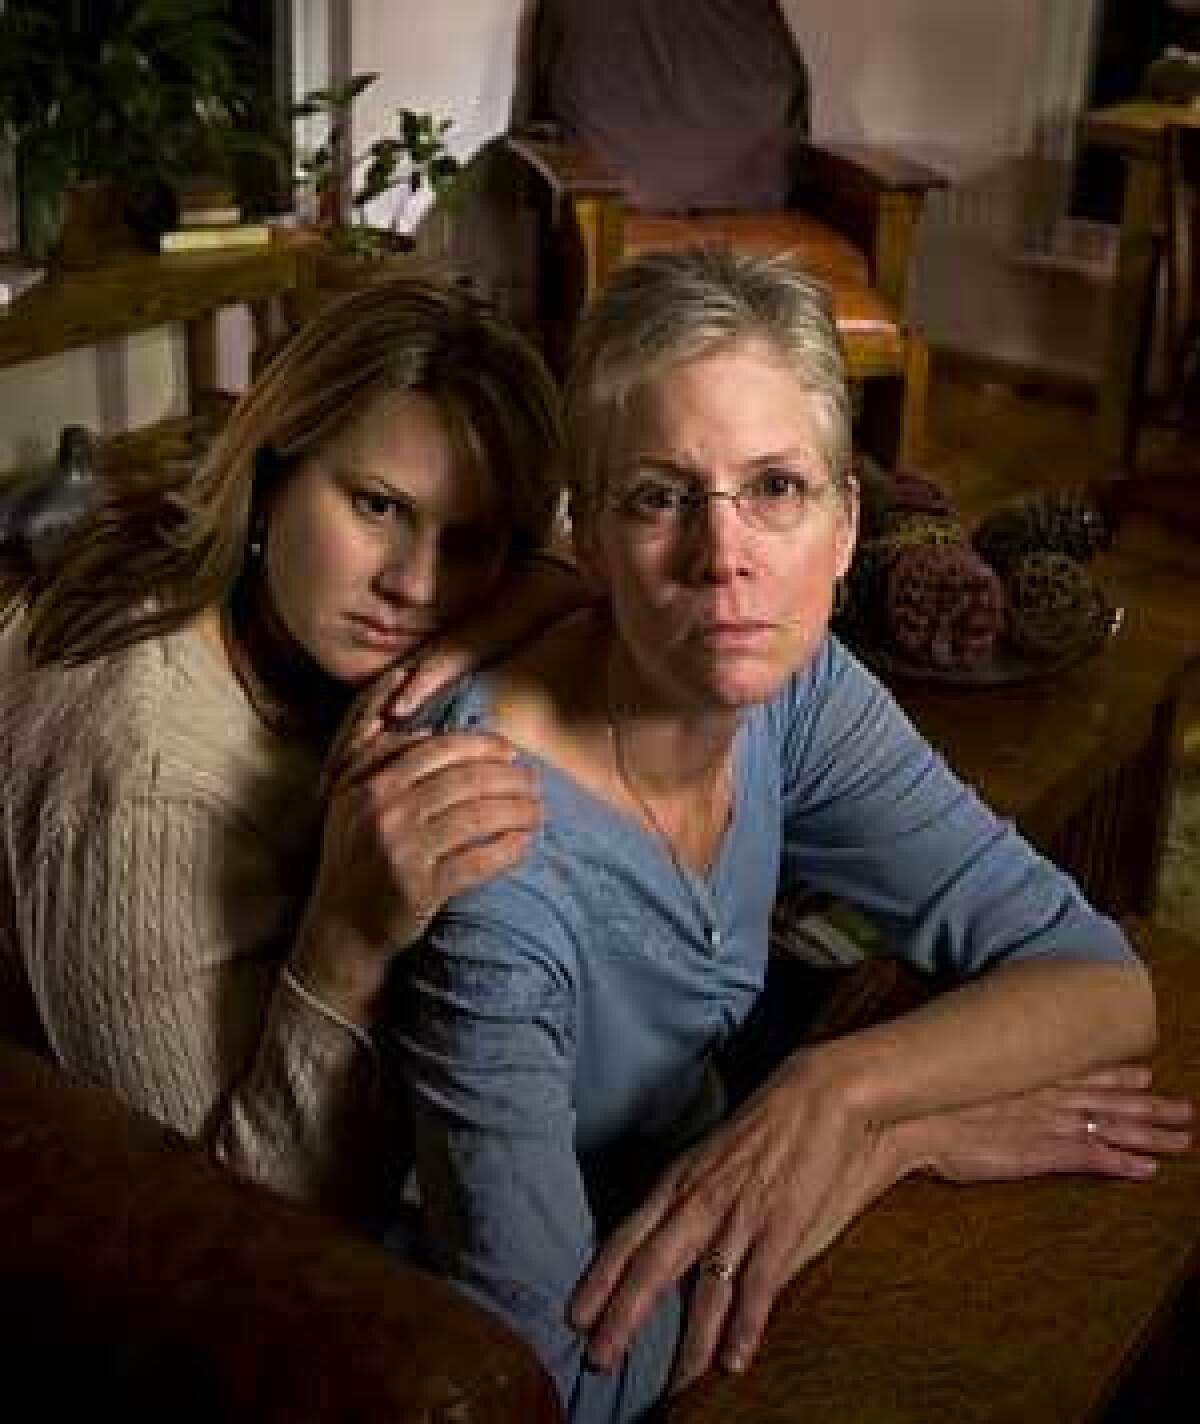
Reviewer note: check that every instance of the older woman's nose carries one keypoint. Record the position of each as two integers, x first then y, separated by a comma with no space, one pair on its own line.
715,538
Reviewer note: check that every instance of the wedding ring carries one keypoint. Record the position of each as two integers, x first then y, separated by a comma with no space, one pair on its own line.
1091,1126
719,1267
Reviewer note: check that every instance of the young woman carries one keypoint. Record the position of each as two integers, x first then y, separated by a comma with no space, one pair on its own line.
199,896
699,740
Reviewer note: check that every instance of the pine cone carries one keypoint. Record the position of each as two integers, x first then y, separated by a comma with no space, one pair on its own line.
1049,522
944,605
1053,605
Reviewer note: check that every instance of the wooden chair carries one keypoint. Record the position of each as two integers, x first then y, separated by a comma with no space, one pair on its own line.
1175,256
1182,255
849,212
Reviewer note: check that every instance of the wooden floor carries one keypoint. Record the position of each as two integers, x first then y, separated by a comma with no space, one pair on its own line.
990,439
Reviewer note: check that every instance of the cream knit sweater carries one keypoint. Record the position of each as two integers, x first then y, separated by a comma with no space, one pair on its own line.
158,847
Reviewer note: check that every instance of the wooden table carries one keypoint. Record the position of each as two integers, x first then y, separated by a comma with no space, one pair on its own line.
1082,760
1058,1301
1134,130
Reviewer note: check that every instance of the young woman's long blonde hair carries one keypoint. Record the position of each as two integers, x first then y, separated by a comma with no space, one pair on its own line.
159,550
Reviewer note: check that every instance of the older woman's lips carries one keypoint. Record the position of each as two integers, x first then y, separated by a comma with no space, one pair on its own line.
735,636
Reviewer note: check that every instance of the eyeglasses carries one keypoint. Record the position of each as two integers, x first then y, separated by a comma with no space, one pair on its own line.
774,501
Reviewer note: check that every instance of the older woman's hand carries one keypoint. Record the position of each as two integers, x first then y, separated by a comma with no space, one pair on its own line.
1108,1123
775,1186
410,821
767,1192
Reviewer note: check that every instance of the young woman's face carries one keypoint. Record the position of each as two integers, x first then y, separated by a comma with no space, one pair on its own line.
381,538
713,611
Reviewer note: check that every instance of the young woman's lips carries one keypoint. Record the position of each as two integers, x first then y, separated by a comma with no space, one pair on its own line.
386,635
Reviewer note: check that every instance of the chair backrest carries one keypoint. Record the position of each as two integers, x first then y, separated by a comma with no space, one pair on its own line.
1182,182
697,104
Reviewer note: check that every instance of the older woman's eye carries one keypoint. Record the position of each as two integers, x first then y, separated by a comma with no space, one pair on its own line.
778,486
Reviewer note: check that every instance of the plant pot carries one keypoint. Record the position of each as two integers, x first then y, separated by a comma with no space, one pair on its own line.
338,270
94,229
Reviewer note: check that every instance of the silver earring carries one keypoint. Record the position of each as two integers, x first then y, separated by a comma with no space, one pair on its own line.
258,533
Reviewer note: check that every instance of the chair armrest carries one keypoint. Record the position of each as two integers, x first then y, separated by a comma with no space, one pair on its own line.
139,1277
872,195
569,168
868,168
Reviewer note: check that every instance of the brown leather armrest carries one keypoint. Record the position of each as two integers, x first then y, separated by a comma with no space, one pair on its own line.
569,168
140,1277
866,167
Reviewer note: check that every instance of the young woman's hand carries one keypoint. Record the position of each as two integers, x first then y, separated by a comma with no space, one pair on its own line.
410,822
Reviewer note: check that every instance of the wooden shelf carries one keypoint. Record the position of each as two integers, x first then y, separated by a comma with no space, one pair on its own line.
73,309
69,310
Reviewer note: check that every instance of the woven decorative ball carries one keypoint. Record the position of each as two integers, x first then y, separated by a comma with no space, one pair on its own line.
1049,522
907,530
874,495
864,615
886,496
1054,607
860,617
917,494
945,606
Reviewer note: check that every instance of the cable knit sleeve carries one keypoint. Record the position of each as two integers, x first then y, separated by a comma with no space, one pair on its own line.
152,930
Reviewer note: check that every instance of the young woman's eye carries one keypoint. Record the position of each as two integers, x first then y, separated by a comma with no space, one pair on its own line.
373,505
649,499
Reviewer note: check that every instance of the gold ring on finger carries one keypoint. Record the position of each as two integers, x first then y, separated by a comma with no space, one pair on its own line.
717,1265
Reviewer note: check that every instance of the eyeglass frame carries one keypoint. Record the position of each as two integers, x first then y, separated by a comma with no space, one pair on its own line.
692,498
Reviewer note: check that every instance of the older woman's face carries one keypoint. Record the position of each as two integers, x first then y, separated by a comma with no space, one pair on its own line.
381,539
714,611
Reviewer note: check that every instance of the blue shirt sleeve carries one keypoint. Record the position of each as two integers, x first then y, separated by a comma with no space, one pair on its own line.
874,815
488,1040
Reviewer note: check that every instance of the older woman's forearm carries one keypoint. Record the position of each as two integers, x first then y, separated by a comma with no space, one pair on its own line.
1018,1027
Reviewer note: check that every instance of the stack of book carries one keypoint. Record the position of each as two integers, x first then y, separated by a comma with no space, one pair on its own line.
209,220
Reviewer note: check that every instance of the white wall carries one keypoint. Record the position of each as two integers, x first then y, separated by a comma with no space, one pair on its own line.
989,94
460,60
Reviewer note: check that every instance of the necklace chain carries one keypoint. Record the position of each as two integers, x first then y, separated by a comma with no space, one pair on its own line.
712,930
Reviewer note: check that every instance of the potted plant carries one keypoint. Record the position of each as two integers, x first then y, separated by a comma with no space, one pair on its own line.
135,95
413,157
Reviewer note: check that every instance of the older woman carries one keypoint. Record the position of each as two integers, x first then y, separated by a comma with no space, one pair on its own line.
699,740
169,695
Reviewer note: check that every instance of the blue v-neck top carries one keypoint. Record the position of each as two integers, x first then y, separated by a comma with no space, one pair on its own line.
559,1025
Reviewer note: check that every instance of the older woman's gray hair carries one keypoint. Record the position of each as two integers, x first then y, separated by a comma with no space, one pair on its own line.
669,306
